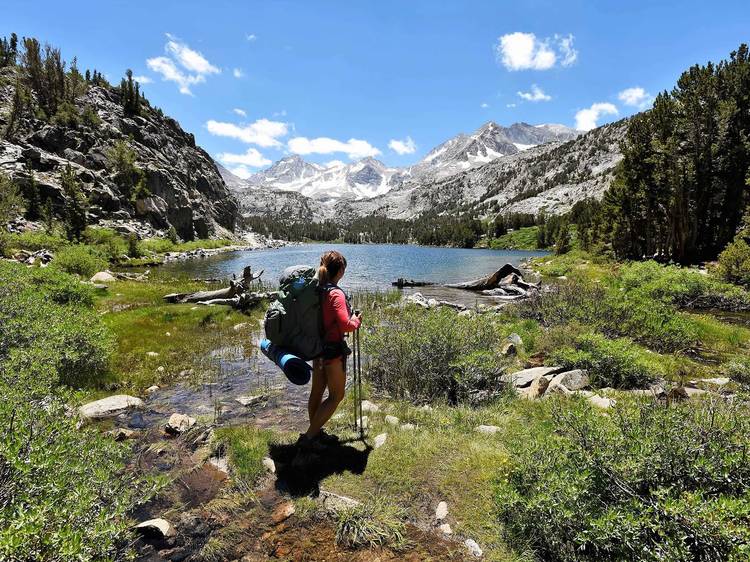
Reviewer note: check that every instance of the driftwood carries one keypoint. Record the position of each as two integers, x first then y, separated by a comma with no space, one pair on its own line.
401,283
489,282
237,295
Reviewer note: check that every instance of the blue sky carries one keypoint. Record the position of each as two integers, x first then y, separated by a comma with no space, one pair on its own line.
338,80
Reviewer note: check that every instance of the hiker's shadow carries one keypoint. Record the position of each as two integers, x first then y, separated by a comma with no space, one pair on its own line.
299,472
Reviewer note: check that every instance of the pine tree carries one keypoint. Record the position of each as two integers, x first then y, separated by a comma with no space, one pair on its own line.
31,192
76,205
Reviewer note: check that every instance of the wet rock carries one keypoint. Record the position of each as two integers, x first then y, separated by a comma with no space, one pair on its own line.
179,423
269,465
156,528
379,440
473,548
441,511
487,429
282,512
103,277
527,376
250,400
121,434
369,407
151,389
445,528
391,420
110,407
576,379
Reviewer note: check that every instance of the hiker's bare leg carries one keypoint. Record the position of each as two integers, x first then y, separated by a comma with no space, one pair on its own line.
336,383
319,383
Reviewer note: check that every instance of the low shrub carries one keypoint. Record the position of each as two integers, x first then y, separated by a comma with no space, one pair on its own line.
734,262
34,240
617,363
80,260
738,369
110,243
433,354
647,482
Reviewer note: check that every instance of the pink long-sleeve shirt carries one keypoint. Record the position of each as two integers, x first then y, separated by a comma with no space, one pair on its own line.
336,319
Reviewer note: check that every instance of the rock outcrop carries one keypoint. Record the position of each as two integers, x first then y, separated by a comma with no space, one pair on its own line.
183,186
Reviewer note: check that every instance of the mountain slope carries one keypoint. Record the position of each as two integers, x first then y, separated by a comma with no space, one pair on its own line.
183,186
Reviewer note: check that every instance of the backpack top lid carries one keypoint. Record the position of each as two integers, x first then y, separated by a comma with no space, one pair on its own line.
291,273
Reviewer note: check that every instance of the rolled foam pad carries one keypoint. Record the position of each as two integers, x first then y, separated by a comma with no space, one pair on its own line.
295,369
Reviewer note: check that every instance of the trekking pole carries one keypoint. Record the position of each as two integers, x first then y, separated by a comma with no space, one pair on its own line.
354,378
359,384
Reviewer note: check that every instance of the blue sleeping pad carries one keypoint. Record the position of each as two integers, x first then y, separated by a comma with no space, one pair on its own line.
295,369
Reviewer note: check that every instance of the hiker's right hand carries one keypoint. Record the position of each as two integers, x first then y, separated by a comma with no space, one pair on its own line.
358,315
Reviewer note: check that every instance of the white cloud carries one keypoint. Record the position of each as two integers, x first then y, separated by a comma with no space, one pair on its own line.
251,37
636,97
354,148
237,73
586,119
251,158
510,105
193,62
402,147
484,105
242,172
240,112
263,132
524,51
536,94
567,52
142,79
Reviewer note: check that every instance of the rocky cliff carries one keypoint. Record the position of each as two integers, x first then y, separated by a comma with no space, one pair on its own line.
183,186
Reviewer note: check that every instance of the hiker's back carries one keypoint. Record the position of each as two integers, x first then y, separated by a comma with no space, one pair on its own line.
294,320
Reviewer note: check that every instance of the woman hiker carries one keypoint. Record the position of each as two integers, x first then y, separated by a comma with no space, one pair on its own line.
329,370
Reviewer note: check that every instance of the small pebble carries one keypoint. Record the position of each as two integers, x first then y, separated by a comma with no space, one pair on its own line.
441,511
379,441
473,547
446,529
391,420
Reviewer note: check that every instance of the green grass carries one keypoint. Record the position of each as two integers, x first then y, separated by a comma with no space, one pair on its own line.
246,446
163,245
521,239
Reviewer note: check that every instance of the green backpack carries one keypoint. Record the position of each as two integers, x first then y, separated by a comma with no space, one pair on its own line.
294,321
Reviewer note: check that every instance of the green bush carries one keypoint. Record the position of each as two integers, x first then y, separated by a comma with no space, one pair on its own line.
738,369
34,240
433,354
80,260
617,363
734,263
648,482
110,243
64,494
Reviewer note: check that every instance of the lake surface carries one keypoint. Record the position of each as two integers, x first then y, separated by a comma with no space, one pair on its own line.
370,266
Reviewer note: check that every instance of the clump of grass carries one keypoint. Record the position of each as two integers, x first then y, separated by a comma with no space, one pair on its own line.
522,239
80,260
164,245
374,523
246,447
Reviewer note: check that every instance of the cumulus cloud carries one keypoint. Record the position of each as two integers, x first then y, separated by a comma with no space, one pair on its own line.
353,148
510,105
238,73
484,105
635,97
241,171
240,112
251,157
586,119
251,37
536,94
142,79
183,65
402,147
524,51
334,164
262,132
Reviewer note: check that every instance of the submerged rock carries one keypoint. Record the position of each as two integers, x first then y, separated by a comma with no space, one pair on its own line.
179,423
110,407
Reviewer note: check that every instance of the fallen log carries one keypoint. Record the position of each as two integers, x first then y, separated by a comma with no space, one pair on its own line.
401,283
237,295
489,282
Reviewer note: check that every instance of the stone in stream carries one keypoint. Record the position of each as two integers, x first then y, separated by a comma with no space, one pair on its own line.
156,528
103,277
151,389
441,511
379,440
391,420
473,547
445,528
121,434
527,376
179,423
250,400
369,407
487,429
110,407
